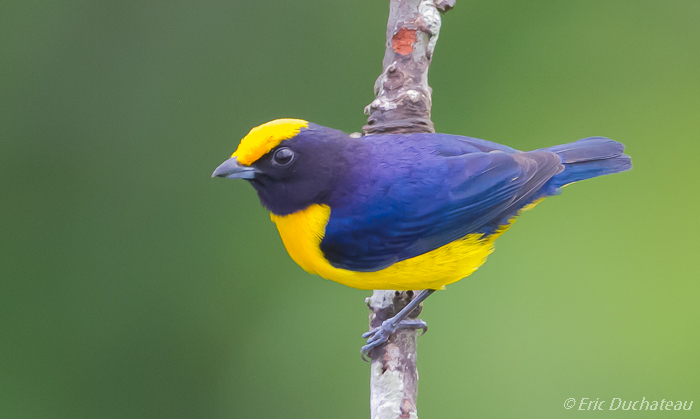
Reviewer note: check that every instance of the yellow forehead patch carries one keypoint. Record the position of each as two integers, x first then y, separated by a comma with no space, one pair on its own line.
260,140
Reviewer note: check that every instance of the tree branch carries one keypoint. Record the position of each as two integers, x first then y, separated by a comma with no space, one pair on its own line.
393,376
402,106
403,95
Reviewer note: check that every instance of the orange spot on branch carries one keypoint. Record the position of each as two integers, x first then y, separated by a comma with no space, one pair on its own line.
402,42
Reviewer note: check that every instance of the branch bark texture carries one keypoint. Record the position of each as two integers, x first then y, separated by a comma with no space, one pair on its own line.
403,99
394,375
402,105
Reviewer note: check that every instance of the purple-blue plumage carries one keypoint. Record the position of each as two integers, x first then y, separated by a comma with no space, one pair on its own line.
395,197
588,158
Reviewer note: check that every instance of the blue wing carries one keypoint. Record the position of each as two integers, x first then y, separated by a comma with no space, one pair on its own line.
420,192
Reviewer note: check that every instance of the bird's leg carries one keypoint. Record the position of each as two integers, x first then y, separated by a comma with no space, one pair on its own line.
379,335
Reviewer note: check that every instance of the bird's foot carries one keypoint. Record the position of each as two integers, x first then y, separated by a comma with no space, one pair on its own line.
380,335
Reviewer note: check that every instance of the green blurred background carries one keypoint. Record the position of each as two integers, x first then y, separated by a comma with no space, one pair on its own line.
134,286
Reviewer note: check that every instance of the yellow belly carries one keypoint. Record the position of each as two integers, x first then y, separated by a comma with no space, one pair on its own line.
303,231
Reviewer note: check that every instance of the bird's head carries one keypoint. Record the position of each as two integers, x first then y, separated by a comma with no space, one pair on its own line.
291,163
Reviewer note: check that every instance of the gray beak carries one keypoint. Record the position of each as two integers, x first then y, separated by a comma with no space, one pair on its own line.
231,169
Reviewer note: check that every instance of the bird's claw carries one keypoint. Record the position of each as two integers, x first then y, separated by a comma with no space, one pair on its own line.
380,335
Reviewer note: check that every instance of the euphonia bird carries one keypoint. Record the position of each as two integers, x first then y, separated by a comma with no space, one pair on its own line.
401,212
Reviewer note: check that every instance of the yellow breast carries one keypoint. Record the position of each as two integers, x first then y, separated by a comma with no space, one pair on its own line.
303,231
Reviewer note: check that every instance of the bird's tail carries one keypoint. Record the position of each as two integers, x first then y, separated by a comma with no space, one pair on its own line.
588,158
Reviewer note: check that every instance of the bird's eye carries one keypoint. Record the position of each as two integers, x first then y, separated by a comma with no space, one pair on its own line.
283,156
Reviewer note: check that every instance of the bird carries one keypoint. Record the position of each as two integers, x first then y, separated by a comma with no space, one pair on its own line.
401,211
